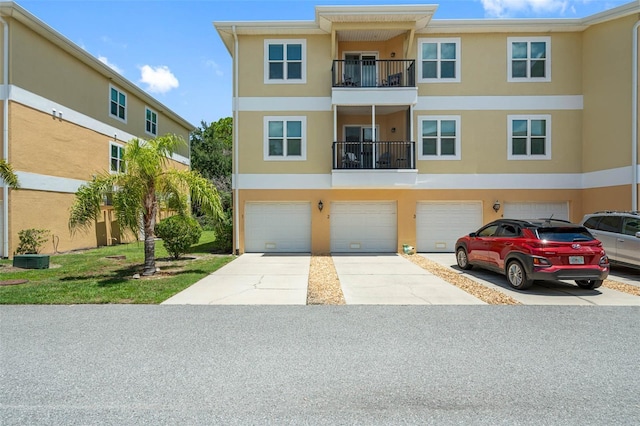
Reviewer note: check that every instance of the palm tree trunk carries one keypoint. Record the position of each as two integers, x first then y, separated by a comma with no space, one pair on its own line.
149,218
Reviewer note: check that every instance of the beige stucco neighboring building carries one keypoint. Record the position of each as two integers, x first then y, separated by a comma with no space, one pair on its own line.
65,118
373,127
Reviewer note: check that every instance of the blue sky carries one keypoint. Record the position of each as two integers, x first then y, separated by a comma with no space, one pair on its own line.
171,49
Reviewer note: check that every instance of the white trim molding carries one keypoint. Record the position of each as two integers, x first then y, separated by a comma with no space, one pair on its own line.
409,179
408,96
38,182
500,103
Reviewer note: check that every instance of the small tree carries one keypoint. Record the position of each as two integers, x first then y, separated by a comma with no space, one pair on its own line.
147,185
178,233
7,174
31,240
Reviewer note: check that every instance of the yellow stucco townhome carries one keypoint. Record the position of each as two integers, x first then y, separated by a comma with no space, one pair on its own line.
65,117
372,127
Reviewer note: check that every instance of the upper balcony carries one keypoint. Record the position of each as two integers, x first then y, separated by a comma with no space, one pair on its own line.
368,80
371,72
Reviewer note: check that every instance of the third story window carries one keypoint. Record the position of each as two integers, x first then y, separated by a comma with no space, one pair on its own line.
151,122
118,104
285,61
529,59
439,60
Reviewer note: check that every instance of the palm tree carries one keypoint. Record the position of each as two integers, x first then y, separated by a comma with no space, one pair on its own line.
7,174
144,186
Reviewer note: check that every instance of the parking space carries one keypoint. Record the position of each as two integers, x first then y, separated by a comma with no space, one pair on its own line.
549,292
625,275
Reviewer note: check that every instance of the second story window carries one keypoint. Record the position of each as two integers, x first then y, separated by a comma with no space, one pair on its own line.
116,158
529,137
285,61
151,122
285,138
117,104
529,59
440,138
439,60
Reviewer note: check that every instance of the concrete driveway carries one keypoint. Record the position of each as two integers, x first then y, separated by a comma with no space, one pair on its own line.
550,292
378,279
282,279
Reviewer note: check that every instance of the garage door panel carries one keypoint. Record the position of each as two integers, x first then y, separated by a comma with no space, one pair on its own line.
278,227
440,223
363,227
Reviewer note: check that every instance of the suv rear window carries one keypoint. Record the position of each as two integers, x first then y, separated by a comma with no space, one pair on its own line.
566,235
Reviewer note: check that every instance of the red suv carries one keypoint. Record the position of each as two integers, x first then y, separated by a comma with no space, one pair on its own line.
529,250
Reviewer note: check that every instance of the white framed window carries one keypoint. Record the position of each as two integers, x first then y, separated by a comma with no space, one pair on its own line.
529,59
150,121
529,137
285,61
285,138
117,104
439,60
439,137
116,160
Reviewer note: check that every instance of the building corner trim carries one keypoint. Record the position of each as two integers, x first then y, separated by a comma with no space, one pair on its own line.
634,118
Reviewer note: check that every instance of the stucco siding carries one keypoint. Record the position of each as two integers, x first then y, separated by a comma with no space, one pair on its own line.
607,94
251,66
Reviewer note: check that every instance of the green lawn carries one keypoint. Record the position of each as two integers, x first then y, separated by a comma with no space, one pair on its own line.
92,277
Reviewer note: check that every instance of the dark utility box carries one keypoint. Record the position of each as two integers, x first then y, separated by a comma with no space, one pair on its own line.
31,261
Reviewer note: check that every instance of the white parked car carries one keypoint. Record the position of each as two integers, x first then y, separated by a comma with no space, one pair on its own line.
619,233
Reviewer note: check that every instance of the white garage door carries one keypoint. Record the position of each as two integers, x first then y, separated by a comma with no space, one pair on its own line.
536,210
440,223
277,227
358,227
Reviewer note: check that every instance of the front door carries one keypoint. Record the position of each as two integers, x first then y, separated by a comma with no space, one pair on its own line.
361,69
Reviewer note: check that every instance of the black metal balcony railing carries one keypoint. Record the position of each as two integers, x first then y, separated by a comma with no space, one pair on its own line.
374,155
374,73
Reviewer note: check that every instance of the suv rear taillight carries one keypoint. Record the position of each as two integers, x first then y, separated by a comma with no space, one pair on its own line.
604,261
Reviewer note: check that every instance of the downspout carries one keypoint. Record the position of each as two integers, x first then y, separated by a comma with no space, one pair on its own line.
5,136
634,119
236,209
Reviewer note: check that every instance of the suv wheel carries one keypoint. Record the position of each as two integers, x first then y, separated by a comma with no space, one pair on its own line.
589,284
462,259
517,276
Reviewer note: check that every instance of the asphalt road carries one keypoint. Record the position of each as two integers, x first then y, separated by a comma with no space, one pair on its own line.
497,365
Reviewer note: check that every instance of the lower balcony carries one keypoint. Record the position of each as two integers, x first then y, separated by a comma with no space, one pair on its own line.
374,164
374,155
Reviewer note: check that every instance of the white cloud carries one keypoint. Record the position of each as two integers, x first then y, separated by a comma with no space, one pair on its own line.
210,63
508,8
110,42
114,67
158,79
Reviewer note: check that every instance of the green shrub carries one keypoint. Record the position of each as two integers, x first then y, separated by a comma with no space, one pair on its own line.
178,234
224,234
31,240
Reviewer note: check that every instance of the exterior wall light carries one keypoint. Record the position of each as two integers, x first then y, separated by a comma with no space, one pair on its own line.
320,205
496,206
